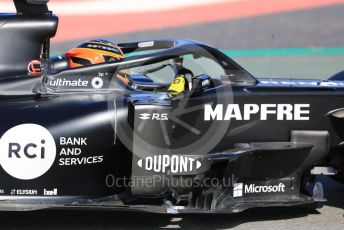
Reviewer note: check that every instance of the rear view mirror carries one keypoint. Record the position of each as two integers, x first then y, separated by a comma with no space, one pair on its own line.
200,84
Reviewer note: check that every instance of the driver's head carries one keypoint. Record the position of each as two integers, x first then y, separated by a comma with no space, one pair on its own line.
94,52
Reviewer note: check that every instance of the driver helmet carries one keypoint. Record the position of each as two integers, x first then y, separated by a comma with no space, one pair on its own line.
94,52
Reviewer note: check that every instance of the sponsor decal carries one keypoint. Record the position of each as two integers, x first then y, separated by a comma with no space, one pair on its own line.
239,189
145,116
165,163
52,192
206,82
34,68
73,141
97,83
280,112
68,83
154,116
27,151
104,47
146,44
24,192
72,152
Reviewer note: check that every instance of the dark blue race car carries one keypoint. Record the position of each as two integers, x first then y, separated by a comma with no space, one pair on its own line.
80,138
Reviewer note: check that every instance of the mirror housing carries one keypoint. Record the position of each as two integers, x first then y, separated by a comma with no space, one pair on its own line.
200,84
31,7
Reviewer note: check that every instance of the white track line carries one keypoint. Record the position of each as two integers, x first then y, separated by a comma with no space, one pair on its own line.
93,7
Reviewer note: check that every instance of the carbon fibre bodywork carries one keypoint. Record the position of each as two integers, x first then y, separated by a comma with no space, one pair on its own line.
80,138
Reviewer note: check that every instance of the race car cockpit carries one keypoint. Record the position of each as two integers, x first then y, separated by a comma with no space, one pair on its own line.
150,66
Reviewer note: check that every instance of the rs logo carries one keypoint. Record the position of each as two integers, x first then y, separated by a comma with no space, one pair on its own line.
30,150
154,116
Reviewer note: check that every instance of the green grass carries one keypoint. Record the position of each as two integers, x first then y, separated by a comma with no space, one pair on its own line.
285,52
306,63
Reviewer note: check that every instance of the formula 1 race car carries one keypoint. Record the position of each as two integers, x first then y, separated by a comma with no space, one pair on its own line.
80,138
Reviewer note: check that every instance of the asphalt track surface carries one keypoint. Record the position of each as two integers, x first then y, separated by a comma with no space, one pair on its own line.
81,25
319,27
311,28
